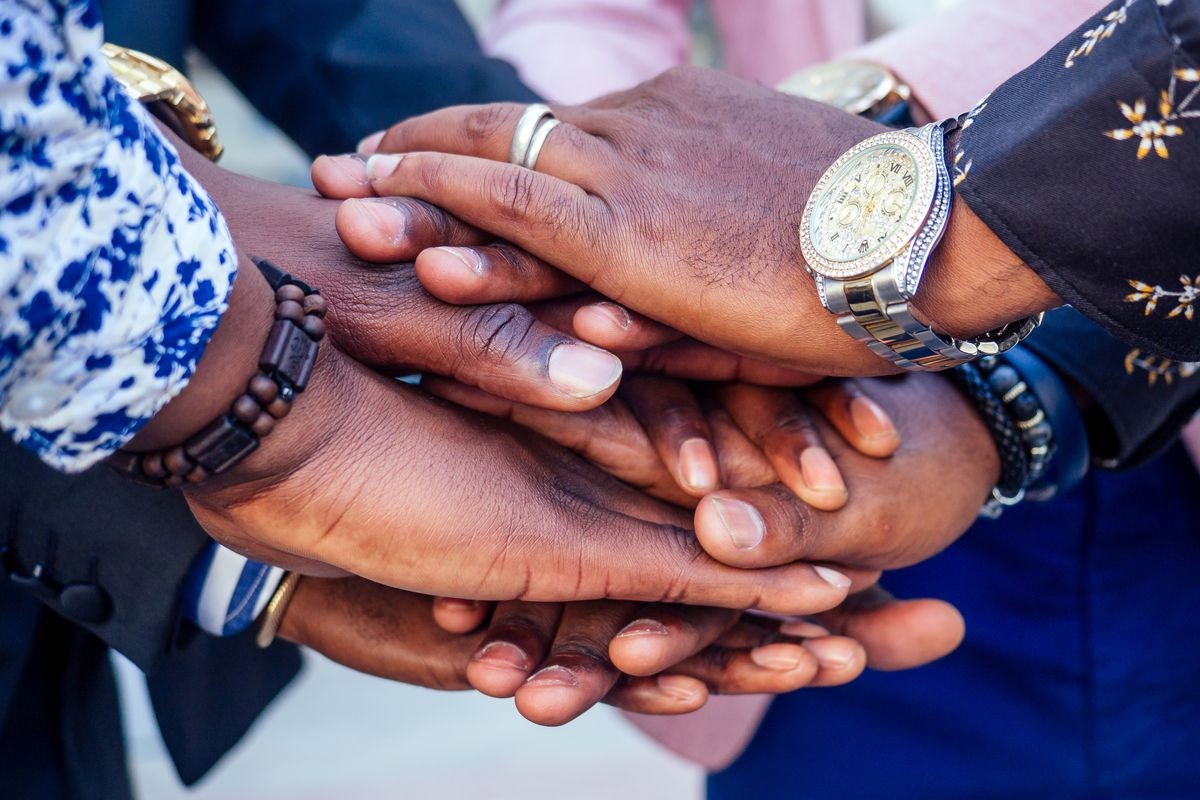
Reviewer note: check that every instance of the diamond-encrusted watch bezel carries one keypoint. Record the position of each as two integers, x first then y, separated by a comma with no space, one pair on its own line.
923,158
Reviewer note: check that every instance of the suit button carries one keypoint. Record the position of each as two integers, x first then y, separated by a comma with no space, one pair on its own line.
37,582
85,602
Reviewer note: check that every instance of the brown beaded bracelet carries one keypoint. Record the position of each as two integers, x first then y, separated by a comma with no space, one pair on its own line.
285,366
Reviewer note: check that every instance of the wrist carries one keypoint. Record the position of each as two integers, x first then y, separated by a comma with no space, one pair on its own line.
973,283
228,363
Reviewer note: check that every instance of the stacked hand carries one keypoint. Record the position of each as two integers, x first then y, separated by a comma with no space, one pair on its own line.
724,497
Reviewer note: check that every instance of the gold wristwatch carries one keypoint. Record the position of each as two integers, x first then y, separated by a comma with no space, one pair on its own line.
168,95
858,87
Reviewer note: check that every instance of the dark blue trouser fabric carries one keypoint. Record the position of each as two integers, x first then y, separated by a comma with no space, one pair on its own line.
1079,676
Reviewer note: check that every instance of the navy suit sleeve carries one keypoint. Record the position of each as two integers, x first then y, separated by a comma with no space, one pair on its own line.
1139,402
329,73
105,553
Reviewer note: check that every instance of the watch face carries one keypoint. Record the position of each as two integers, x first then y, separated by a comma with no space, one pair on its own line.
854,86
868,206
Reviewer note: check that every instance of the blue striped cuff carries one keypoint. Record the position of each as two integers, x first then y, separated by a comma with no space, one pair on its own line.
224,592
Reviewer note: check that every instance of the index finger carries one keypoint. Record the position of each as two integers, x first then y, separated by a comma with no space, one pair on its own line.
554,220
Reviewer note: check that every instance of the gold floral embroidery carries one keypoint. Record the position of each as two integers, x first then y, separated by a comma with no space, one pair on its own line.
1151,132
1184,298
1157,368
1106,28
1093,36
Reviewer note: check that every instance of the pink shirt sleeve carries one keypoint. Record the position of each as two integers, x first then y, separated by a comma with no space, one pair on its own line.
570,51
953,59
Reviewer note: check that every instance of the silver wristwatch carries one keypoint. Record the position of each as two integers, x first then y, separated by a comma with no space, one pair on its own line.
867,232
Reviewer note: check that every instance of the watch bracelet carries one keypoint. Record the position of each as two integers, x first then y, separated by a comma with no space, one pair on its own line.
878,312
155,83
284,368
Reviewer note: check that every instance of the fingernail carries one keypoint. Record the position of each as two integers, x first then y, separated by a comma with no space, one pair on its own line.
819,470
678,686
619,316
504,653
698,465
779,657
553,676
380,166
466,256
644,627
353,168
802,627
831,653
870,419
832,577
742,522
583,371
370,144
389,220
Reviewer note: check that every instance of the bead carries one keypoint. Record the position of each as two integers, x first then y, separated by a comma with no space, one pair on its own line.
177,462
174,481
1025,406
263,425
288,354
279,408
314,327
289,291
246,409
986,365
152,465
263,389
1002,379
221,444
290,309
198,474
314,304
1039,434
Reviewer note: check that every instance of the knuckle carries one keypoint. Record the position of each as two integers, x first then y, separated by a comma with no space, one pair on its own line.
795,422
513,192
430,170
681,417
579,646
487,123
429,219
517,624
498,333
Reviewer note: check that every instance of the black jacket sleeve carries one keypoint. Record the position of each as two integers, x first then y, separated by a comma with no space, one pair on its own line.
1087,165
103,552
1136,403
329,73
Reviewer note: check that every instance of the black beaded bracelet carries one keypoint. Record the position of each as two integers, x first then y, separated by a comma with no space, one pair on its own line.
1018,423
285,365
1026,410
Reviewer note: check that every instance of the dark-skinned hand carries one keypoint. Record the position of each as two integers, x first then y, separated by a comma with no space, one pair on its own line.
369,477
681,199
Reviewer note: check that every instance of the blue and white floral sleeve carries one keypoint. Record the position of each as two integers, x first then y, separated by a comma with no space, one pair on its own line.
115,265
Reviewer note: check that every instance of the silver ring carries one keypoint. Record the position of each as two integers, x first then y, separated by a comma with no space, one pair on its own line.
538,140
526,128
